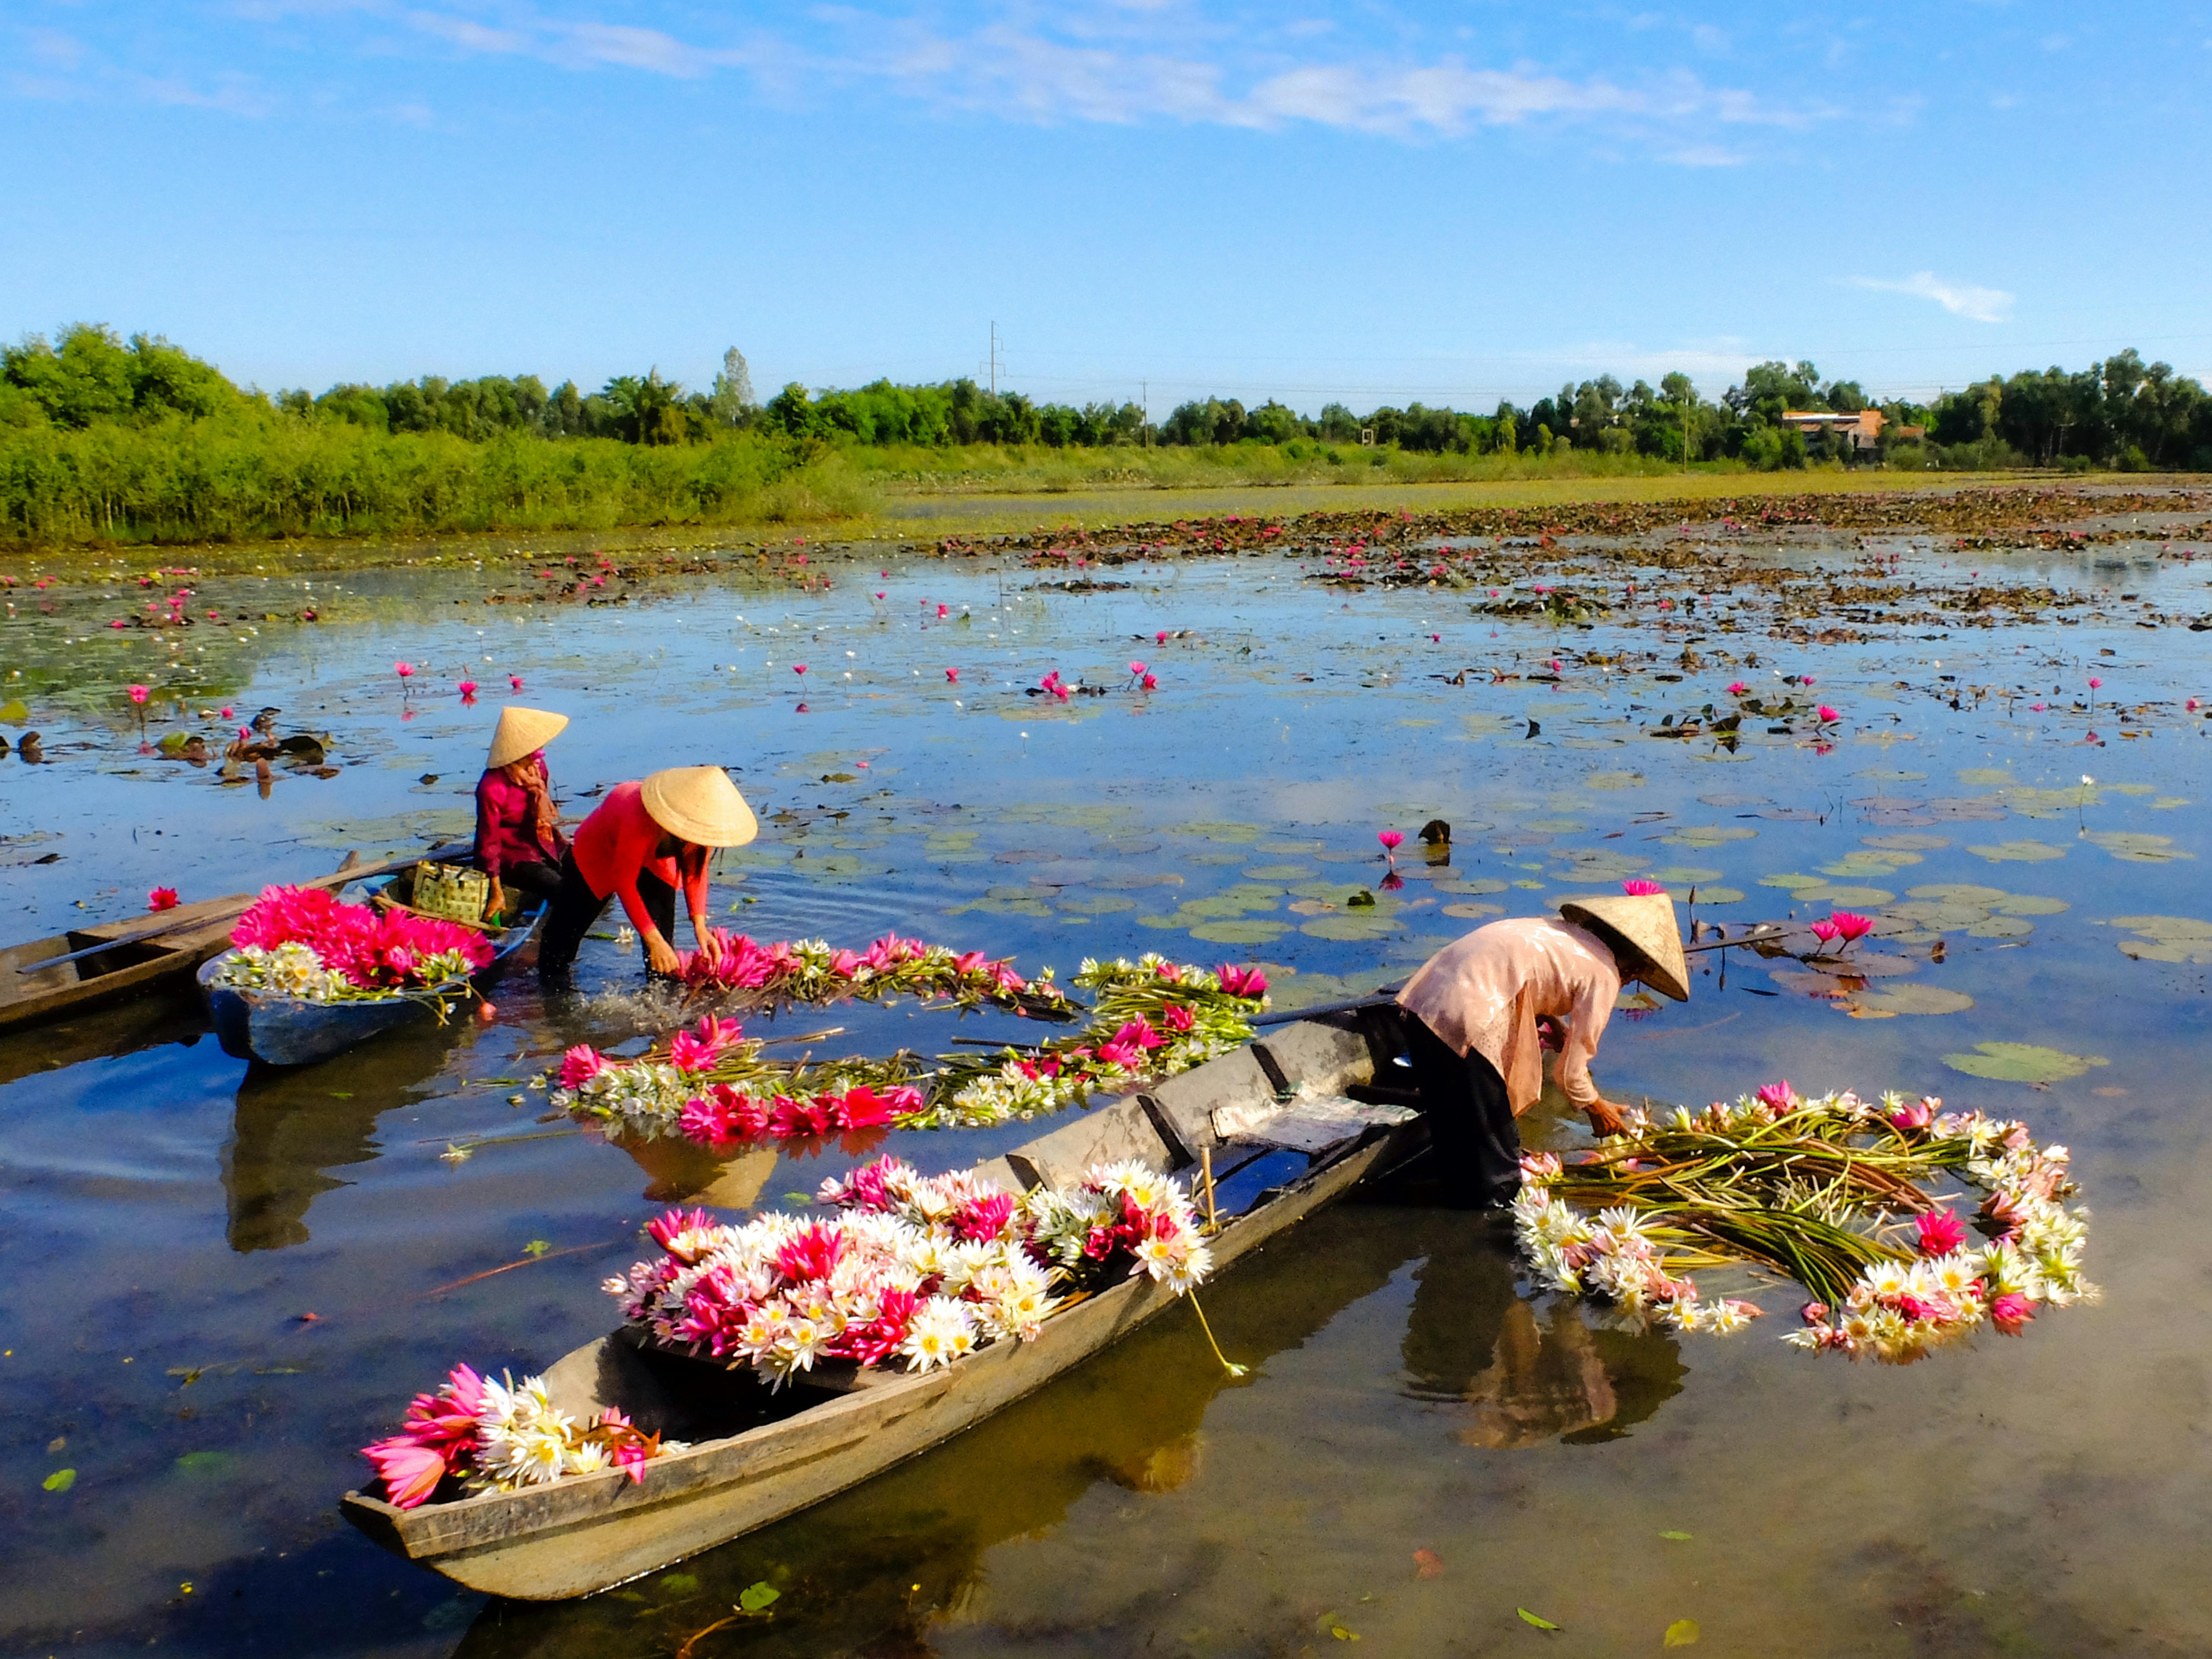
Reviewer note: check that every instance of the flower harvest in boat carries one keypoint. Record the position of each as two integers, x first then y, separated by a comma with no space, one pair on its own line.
1151,1018
919,1269
501,1436
812,970
1836,1193
304,942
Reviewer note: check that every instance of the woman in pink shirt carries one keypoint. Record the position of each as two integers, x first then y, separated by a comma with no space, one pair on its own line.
518,839
1474,1040
643,844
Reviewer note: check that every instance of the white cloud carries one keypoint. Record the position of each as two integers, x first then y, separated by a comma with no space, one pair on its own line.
1980,305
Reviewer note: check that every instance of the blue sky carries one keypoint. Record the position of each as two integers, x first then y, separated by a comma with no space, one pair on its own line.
1371,202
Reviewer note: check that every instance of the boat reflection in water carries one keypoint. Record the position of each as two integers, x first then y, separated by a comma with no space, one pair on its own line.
869,1570
294,1125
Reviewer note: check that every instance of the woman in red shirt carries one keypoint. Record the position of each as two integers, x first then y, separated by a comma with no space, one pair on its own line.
518,839
641,844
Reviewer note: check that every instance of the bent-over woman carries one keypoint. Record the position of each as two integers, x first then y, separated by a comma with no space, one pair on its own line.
1473,1038
643,843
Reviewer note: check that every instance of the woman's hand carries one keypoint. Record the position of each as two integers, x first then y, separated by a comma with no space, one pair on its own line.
703,931
1606,1118
661,955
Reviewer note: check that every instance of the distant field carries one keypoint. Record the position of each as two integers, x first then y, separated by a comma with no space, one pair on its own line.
928,514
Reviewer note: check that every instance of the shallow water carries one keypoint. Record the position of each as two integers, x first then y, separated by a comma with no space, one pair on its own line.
174,1220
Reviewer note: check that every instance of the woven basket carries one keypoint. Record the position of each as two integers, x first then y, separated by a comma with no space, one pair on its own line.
452,890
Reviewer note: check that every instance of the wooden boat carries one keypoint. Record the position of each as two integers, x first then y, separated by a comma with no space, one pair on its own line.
106,960
283,1030
587,1533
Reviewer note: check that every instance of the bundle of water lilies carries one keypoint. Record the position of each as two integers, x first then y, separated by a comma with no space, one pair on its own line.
1149,1018
497,1437
922,1269
1845,1196
304,942
812,970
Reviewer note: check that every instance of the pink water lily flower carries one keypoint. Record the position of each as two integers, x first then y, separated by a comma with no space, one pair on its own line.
138,695
1780,1096
1825,930
1918,1114
952,676
1940,1232
1137,669
1151,684
2095,684
581,1064
1636,887
1160,638
467,688
1391,839
944,611
161,898
515,680
2011,1312
404,669
1737,688
1852,926
1828,713
798,668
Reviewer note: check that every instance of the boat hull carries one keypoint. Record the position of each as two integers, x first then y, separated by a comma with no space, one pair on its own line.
128,971
281,1030
586,1533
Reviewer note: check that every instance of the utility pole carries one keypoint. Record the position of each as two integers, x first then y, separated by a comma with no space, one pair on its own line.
1145,427
994,359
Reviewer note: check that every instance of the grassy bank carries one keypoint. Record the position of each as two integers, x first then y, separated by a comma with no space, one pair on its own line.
182,481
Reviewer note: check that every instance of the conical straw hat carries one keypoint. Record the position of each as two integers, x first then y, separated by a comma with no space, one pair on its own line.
701,804
1641,928
521,731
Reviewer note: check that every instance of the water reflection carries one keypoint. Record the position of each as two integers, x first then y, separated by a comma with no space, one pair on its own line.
1529,1378
292,1126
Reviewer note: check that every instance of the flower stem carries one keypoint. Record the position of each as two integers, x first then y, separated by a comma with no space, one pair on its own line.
1227,1364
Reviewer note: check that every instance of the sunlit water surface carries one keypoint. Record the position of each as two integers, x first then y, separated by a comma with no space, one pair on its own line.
216,1284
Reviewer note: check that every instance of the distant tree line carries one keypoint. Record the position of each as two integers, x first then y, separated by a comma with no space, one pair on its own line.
2119,413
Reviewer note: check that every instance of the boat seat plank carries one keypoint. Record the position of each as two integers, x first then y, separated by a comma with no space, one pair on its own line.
1108,1135
1188,1102
1318,1058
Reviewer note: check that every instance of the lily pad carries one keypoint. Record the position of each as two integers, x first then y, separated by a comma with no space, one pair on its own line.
1240,933
1215,830
1849,897
2146,950
1280,871
1471,884
1684,875
1364,926
1098,904
1906,843
2030,904
1958,892
2167,928
1603,865
2018,852
2002,927
1908,997
1716,894
1709,835
2022,1062
2137,848
1985,776
1793,880
1471,910
1614,780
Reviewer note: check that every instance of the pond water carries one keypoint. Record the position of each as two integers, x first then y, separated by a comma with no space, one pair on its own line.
218,1283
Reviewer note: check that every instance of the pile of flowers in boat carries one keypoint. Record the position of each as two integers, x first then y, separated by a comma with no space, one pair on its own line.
916,1270
1837,1192
304,942
1149,1018
501,1436
813,970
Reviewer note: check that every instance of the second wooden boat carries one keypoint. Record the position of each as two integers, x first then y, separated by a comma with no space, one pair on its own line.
281,1030
837,1428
